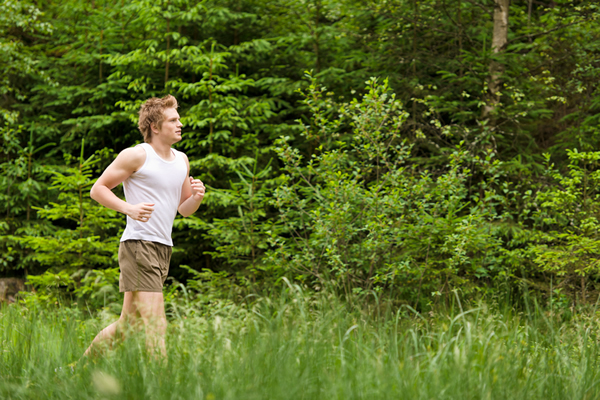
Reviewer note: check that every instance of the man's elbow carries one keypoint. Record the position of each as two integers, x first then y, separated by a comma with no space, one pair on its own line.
95,192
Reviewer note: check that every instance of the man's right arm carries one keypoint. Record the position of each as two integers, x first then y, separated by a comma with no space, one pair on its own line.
126,163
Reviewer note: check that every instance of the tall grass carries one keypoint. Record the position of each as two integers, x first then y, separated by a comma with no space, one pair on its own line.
299,347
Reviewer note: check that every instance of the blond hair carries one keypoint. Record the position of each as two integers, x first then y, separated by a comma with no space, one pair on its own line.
152,111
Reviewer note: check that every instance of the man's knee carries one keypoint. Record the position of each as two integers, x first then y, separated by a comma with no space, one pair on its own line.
149,304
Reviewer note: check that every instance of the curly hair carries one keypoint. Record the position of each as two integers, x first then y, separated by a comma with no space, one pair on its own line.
152,112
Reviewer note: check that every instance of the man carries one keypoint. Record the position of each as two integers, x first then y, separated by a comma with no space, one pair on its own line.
157,184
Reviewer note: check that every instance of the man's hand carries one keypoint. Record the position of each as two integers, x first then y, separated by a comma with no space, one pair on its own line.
126,163
192,193
141,211
198,189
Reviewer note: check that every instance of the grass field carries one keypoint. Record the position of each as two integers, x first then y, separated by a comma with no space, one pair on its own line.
299,348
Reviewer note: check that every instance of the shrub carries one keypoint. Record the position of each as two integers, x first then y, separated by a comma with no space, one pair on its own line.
361,215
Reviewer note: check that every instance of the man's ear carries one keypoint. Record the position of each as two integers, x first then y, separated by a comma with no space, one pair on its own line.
153,127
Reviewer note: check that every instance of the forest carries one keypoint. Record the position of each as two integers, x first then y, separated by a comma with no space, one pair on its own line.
405,147
402,197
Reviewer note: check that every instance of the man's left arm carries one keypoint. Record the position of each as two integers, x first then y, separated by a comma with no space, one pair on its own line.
192,193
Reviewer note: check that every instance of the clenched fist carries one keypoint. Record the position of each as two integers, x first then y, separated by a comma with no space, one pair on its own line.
198,189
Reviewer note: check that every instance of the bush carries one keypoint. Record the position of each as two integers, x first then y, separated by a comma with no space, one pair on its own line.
361,215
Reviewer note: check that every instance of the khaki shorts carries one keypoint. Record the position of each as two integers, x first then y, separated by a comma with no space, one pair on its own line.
144,265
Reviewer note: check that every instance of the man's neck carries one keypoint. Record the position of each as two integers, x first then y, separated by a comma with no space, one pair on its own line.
162,149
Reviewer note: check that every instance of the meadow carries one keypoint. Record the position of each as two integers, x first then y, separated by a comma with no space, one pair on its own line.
424,149
296,346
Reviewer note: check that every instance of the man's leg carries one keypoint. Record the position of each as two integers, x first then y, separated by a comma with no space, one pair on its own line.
107,335
151,308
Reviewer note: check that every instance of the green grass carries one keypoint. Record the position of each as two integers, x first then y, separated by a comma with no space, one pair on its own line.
295,347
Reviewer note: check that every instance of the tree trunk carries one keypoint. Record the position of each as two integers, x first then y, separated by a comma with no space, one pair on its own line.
498,44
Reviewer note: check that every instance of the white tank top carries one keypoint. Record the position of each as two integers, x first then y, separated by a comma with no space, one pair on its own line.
159,182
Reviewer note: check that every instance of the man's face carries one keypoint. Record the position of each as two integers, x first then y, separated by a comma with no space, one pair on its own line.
170,131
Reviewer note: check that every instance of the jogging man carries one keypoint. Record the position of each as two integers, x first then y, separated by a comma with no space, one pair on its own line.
157,184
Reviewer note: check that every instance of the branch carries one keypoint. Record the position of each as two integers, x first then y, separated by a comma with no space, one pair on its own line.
484,8
546,32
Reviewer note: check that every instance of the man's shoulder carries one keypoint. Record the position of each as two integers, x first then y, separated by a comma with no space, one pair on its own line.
185,157
133,151
133,157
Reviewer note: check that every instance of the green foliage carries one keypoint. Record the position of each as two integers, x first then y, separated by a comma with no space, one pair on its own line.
296,346
95,289
77,245
567,212
360,217
242,239
411,194
50,288
24,176
85,232
19,62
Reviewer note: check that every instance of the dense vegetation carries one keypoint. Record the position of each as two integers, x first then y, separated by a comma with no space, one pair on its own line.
300,347
403,147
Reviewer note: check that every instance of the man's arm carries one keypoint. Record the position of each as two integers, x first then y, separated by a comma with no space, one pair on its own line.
126,163
192,193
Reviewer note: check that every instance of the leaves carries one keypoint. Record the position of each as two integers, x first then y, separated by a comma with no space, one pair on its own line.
343,142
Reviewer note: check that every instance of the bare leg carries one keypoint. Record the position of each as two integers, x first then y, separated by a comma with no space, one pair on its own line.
151,308
107,335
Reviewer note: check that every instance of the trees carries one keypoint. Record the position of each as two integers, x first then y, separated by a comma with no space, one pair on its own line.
465,82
